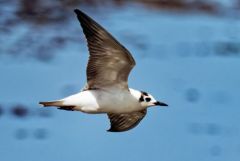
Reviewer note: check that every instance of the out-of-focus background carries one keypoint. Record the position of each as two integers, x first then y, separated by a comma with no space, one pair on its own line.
187,54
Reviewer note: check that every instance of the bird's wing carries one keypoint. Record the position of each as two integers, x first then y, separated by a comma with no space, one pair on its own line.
109,62
127,121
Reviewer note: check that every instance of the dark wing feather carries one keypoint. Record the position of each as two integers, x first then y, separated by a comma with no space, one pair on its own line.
127,121
109,63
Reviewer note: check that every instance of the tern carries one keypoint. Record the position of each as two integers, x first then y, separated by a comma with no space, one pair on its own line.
106,90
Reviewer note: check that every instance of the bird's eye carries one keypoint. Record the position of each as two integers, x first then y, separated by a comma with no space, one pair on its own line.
148,99
141,99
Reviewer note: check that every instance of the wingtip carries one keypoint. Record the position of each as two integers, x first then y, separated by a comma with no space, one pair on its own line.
78,12
115,131
112,130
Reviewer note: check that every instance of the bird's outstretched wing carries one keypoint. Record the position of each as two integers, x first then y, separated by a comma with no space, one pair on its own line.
127,121
109,63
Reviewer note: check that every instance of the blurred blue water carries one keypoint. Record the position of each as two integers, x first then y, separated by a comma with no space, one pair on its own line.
189,61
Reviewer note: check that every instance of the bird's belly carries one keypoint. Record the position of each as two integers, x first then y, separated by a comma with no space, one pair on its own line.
118,104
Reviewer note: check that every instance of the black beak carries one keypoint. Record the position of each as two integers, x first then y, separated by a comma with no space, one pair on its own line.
160,104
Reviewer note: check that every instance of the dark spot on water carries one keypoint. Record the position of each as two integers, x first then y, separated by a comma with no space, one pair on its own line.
228,48
210,129
41,133
192,95
21,134
215,150
1,110
213,129
20,111
58,41
148,99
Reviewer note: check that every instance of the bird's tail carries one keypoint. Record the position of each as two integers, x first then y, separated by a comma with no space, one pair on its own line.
52,103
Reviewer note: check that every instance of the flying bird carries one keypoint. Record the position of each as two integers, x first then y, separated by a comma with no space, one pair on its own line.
106,90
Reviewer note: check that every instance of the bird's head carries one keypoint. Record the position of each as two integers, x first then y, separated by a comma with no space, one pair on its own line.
146,99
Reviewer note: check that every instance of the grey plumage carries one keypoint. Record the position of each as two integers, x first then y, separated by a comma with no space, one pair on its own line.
127,121
109,63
